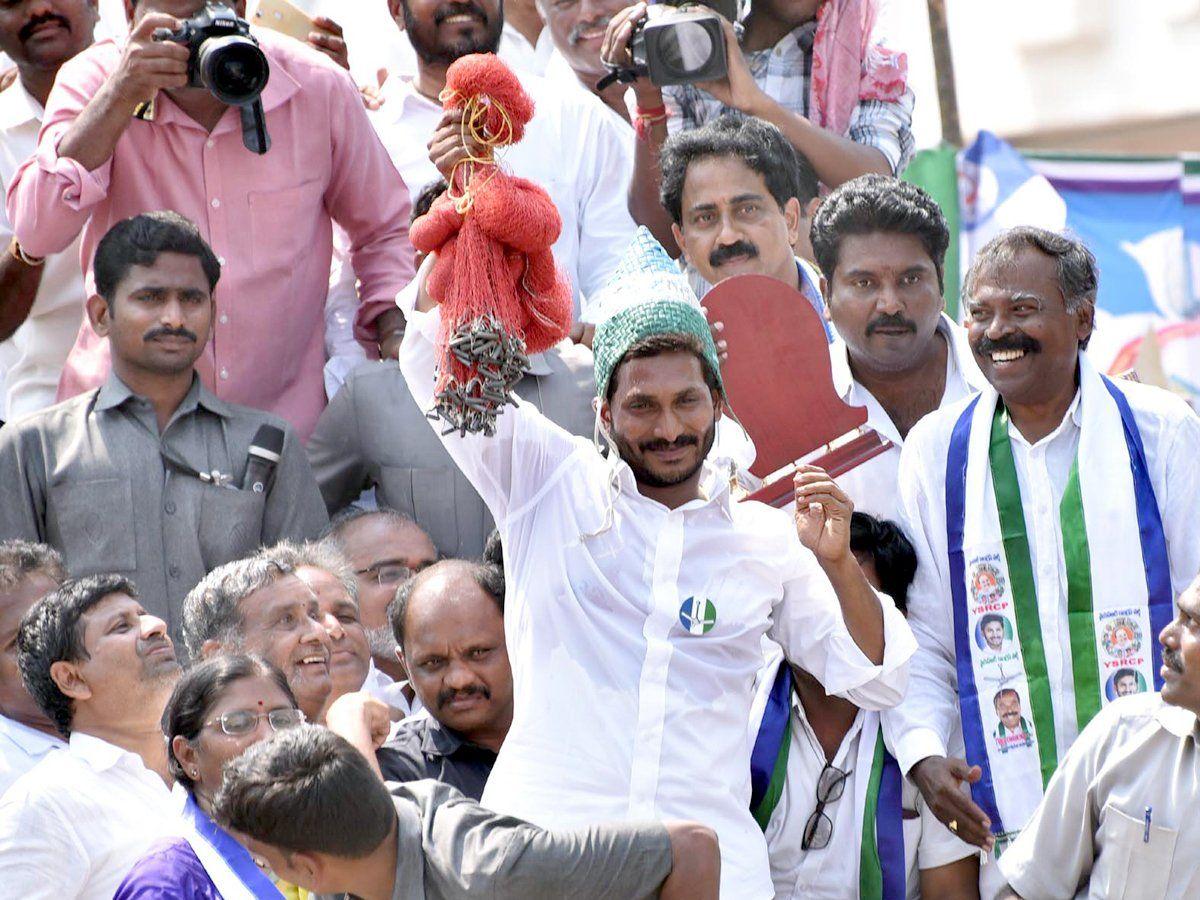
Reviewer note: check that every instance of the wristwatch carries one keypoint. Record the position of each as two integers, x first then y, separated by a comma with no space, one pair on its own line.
14,247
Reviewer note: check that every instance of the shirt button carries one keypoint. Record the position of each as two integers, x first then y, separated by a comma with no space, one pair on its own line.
221,260
224,374
210,143
215,202
224,319
173,571
169,506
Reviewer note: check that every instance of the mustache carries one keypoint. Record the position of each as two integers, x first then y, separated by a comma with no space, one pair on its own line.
575,36
890,320
1017,341
164,331
448,694
27,29
146,646
1172,661
684,440
446,10
722,255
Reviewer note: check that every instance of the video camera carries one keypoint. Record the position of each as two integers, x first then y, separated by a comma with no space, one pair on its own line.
684,44
227,61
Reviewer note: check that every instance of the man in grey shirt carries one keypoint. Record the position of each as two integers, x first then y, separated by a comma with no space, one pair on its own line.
373,434
143,476
308,803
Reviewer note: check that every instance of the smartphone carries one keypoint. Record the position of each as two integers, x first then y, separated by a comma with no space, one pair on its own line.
285,17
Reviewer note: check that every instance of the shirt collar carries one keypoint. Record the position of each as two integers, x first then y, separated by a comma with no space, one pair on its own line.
30,740
115,393
99,754
18,106
843,378
439,740
1177,720
714,485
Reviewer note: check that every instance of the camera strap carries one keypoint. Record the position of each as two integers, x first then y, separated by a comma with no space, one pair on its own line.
254,128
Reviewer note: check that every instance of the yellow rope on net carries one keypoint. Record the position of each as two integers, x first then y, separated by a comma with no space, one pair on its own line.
475,134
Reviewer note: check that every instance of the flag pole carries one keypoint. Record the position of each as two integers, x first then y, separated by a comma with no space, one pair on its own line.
943,67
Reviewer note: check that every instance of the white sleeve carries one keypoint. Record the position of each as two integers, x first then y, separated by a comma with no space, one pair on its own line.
807,622
507,468
1182,486
921,726
42,857
605,225
343,352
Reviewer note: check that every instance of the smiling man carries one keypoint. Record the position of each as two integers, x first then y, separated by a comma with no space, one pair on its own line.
449,621
143,476
638,590
101,669
260,605
881,244
1119,815
1058,498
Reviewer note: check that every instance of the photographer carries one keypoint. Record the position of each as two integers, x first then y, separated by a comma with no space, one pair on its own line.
119,126
850,118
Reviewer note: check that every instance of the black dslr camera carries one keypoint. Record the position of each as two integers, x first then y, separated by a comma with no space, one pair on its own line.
684,44
226,60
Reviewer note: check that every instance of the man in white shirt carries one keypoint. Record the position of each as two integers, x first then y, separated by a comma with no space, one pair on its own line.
1058,499
27,573
101,669
577,28
571,147
827,792
638,590
1119,815
41,302
881,244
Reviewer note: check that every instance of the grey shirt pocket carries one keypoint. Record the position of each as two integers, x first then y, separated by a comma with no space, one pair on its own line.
92,524
231,523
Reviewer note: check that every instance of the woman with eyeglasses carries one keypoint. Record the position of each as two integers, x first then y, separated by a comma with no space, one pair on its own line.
219,708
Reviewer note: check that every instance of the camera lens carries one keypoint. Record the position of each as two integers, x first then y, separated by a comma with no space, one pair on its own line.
686,47
233,69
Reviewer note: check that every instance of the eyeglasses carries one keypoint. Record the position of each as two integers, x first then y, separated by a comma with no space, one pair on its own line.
388,573
241,721
819,827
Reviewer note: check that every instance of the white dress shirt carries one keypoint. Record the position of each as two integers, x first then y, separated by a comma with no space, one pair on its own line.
571,147
620,710
1171,435
832,873
74,825
1119,816
523,56
382,686
22,748
32,359
872,486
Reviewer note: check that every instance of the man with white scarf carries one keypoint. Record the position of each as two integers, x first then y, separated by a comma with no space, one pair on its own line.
639,591
1058,499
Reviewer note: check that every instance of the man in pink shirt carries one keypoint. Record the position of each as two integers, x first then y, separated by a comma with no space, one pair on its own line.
105,154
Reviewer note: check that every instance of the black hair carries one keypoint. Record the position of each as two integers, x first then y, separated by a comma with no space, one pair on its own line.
425,198
1125,673
890,550
20,559
489,577
658,344
758,144
138,241
199,689
878,203
306,790
493,550
52,631
989,619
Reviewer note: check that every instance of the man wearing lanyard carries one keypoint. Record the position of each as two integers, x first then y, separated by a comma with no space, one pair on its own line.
144,475
639,591
1061,501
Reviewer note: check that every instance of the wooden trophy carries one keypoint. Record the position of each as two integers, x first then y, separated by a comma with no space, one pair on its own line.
780,384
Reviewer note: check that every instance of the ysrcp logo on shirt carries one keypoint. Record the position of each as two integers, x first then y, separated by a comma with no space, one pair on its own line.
697,615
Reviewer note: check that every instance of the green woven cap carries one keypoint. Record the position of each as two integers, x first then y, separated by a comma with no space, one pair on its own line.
616,335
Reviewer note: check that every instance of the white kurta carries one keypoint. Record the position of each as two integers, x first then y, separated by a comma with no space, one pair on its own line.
620,711
872,486
1170,430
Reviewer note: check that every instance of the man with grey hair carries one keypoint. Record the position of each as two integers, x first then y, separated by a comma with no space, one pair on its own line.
1059,499
27,573
260,605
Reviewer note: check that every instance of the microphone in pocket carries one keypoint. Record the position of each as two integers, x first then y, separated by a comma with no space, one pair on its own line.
262,458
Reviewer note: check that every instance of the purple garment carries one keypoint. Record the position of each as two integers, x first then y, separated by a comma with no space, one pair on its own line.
170,870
